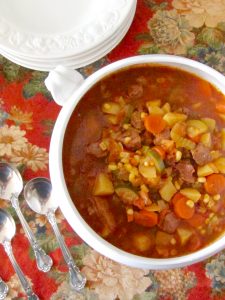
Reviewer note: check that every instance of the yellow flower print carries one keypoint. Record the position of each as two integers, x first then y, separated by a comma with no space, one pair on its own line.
18,116
32,156
11,139
171,32
200,12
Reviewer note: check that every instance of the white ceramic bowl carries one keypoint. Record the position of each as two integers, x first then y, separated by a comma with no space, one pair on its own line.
67,88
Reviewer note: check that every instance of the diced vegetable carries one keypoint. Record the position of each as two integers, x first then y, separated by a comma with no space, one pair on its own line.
157,160
206,170
182,209
153,103
155,110
223,139
211,123
168,190
113,119
191,193
142,241
146,218
196,127
148,172
184,235
111,108
220,107
172,118
127,195
197,220
166,107
206,139
130,214
215,184
103,185
220,164
160,151
163,239
154,123
153,207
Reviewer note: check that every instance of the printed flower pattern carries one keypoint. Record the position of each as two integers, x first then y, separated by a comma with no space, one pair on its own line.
215,270
201,12
11,139
171,32
192,28
114,280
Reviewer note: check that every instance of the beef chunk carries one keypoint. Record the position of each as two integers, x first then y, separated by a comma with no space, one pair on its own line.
186,171
201,154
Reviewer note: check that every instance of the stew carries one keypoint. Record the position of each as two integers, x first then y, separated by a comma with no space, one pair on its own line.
144,160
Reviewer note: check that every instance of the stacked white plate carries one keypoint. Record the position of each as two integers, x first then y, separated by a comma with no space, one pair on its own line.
43,34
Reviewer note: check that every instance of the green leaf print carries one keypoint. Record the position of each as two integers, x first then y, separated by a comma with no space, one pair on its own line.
48,243
211,36
36,85
221,26
11,71
79,252
149,49
146,296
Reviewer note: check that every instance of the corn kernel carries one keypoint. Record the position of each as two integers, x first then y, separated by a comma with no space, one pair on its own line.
127,139
211,204
190,203
126,126
112,167
206,198
216,197
143,114
177,185
144,188
103,145
203,231
130,211
107,106
146,163
178,155
201,179
173,241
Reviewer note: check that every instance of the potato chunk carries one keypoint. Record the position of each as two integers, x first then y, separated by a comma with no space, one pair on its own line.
103,185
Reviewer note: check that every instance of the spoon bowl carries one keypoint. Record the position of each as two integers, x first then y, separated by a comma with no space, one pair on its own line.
7,232
39,196
7,227
10,181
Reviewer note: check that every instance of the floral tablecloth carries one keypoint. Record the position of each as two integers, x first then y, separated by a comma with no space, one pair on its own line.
191,28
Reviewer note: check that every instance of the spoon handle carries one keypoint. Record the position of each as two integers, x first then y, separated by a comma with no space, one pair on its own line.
3,289
77,279
44,262
25,284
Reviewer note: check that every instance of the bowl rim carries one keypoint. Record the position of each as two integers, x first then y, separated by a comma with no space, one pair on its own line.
61,193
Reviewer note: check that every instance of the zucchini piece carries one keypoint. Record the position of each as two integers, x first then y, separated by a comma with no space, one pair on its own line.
173,118
103,185
147,172
196,127
220,164
211,123
157,160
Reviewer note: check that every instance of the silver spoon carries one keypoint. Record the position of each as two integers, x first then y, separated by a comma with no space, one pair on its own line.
11,185
38,194
7,232
3,289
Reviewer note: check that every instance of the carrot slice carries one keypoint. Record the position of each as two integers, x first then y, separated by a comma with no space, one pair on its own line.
154,123
197,220
176,197
220,107
160,151
215,184
182,210
146,218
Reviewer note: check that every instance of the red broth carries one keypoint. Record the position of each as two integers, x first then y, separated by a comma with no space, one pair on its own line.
144,161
